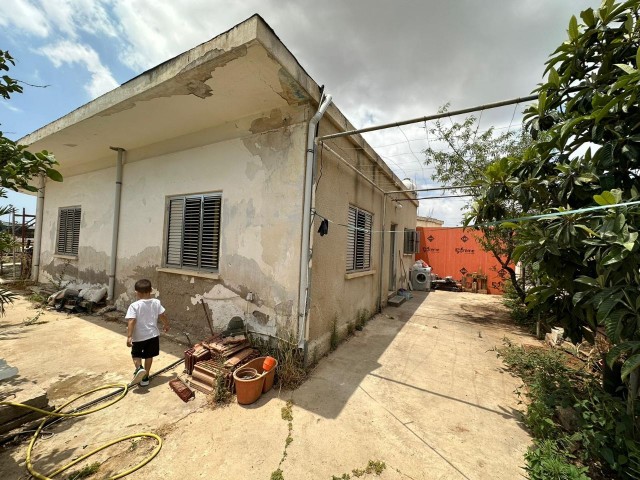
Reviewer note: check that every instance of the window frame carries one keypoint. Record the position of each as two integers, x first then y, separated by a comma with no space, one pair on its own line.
411,241
75,235
215,235
352,257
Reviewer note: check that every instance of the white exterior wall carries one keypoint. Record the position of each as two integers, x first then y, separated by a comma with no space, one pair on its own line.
260,177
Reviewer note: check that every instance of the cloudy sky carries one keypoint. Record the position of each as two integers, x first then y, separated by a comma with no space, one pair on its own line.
382,61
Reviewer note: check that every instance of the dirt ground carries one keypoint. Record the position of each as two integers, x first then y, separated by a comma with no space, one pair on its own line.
418,389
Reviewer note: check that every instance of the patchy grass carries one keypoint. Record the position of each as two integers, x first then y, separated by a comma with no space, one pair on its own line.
287,415
335,339
375,467
84,472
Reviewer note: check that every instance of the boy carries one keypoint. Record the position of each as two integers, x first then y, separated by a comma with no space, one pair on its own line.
143,335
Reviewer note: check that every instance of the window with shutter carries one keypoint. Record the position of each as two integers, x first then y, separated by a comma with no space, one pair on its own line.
193,231
360,223
411,241
68,230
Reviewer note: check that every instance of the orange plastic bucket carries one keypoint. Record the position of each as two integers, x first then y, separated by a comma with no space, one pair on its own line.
268,364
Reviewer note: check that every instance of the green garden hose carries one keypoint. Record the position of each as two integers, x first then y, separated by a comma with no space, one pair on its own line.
57,413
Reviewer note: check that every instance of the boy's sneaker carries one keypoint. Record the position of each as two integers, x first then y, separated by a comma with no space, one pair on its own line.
138,375
145,381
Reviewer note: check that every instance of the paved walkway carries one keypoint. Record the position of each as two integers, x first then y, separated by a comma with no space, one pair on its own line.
419,389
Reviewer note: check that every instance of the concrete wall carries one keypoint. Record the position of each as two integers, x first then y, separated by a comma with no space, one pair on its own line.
336,295
257,164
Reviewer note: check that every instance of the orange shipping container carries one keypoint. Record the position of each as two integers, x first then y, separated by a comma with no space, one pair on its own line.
455,252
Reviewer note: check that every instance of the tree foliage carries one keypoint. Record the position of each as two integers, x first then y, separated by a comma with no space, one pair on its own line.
462,163
18,166
586,263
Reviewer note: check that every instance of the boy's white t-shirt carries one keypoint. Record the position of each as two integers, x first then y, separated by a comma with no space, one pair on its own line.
146,312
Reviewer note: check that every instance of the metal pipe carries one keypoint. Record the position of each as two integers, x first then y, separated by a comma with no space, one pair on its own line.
116,223
13,238
487,106
37,234
305,254
384,220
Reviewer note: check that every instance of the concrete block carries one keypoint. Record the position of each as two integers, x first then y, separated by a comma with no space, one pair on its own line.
396,300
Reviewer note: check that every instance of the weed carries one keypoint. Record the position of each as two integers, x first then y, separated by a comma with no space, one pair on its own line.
374,466
33,320
221,394
58,279
287,414
37,298
290,372
287,411
351,328
363,317
517,309
335,340
277,475
545,461
84,472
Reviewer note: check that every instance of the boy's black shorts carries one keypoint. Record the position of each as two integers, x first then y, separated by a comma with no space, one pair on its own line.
146,348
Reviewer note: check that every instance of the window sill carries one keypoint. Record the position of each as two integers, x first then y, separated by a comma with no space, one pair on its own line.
190,273
65,257
349,276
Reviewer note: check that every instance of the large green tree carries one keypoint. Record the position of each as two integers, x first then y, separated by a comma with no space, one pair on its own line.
587,262
460,158
18,166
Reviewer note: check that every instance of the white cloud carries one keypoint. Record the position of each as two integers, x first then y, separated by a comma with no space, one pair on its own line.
156,31
67,52
10,107
71,17
24,16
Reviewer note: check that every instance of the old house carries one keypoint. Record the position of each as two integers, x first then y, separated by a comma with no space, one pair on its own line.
201,175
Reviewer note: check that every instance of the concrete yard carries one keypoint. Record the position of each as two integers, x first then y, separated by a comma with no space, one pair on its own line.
419,389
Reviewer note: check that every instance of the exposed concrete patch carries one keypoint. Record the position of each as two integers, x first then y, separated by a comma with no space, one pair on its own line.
261,318
191,80
274,121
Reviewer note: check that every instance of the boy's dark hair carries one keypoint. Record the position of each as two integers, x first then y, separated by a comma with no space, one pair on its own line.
143,286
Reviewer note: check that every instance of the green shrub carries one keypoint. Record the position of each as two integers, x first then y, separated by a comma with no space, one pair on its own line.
603,437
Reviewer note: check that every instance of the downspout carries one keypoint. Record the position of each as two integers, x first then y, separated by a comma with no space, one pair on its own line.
384,222
37,235
116,223
305,254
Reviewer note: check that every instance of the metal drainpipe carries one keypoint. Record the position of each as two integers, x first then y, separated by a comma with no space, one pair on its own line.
37,235
384,220
305,254
116,223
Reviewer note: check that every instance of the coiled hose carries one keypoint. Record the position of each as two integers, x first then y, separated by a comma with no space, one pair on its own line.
58,413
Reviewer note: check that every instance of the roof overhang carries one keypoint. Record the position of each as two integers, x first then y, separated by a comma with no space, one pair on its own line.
236,75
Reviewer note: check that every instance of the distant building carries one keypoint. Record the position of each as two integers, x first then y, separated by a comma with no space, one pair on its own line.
428,222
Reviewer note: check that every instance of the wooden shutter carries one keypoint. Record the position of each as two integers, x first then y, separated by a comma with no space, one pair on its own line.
174,232
75,237
210,245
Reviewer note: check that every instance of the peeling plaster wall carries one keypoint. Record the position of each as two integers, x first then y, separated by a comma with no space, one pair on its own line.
333,296
94,193
260,174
